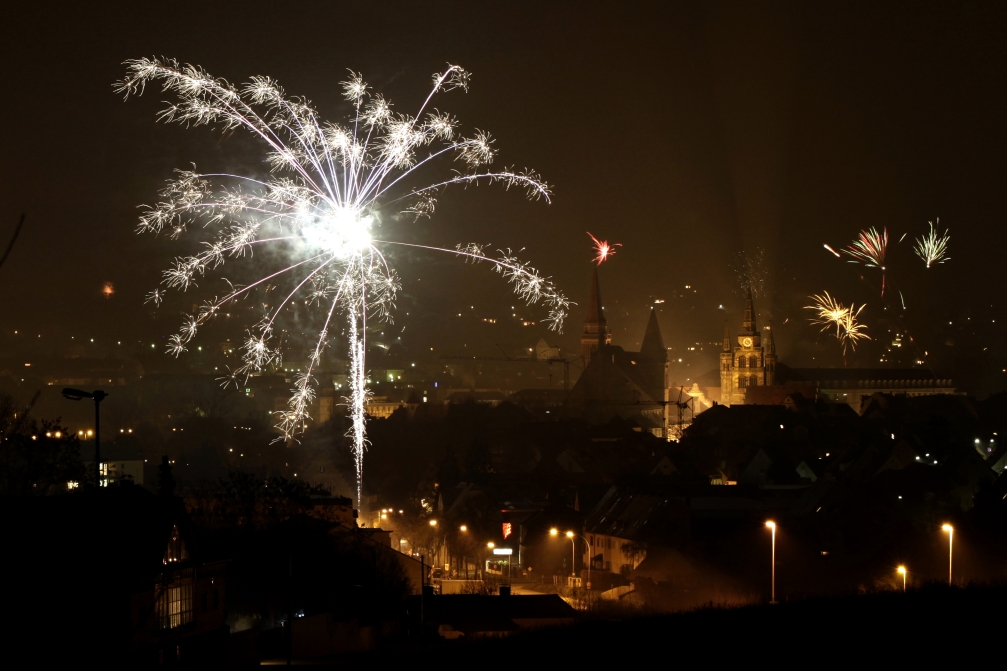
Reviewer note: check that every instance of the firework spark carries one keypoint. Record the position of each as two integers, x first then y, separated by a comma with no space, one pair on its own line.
318,214
870,249
602,250
933,247
752,272
832,250
108,289
831,312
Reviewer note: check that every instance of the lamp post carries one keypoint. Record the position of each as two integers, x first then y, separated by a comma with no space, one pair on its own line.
571,535
97,396
438,557
951,541
772,527
902,570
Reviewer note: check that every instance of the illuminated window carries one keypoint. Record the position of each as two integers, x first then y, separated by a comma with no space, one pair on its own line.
174,605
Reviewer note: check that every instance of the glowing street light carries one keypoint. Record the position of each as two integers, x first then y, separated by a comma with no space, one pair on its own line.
571,535
902,570
772,527
951,541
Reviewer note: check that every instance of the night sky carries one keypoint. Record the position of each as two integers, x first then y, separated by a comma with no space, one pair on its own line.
688,132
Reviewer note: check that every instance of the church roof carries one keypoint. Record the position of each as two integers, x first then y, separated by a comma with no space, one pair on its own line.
653,344
605,388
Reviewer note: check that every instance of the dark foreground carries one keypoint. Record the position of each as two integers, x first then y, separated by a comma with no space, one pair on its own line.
921,626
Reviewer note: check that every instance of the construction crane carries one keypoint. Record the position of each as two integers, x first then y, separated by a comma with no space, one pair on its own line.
682,407
522,359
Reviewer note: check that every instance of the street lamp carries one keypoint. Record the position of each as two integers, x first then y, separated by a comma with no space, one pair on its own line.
571,535
772,527
902,570
951,541
97,396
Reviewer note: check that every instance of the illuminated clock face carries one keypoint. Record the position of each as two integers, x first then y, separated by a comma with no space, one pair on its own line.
747,342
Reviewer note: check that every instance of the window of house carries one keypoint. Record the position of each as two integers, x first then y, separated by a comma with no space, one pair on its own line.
174,605
753,362
741,362
742,381
754,382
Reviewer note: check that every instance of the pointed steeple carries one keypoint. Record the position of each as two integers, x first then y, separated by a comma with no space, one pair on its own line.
727,337
653,344
595,314
596,334
748,326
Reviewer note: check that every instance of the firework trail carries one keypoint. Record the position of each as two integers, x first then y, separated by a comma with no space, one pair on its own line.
870,249
602,250
933,247
831,312
319,210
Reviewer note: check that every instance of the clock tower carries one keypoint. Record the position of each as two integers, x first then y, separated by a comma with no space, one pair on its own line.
748,363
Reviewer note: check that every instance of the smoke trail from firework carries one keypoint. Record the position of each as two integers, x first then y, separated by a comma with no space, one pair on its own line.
602,250
933,247
831,312
318,210
870,249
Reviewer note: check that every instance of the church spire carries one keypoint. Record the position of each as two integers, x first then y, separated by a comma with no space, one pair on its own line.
748,327
595,314
596,334
653,344
727,337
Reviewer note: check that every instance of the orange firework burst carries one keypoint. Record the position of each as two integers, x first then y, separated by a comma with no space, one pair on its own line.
108,290
602,250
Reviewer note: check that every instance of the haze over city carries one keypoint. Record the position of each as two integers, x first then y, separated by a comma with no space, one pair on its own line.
460,301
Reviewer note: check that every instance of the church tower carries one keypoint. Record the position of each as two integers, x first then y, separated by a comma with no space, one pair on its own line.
745,364
726,368
770,357
596,334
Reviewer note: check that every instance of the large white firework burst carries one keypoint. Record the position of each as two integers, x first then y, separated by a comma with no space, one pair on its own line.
317,209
